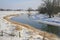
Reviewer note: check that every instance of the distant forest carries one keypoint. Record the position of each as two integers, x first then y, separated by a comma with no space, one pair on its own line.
29,9
11,9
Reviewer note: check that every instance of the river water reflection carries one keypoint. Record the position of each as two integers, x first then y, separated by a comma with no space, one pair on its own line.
28,20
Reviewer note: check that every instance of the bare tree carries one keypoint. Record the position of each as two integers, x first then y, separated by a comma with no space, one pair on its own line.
51,7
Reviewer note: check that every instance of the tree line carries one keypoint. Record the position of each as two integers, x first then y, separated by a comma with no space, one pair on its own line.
10,9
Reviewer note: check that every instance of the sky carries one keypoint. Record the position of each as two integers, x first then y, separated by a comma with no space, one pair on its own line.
20,4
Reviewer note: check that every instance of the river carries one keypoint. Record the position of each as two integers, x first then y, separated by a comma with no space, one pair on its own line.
24,19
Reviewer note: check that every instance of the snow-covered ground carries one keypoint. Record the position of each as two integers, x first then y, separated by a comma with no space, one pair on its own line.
44,19
8,32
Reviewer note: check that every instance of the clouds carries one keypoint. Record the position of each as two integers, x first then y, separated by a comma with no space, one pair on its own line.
22,4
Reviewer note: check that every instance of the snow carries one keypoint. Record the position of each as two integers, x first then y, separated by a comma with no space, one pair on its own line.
55,21
8,28
39,16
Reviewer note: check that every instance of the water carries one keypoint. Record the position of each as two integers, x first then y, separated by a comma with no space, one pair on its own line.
25,19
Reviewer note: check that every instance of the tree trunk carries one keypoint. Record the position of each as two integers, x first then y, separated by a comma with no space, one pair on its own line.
49,15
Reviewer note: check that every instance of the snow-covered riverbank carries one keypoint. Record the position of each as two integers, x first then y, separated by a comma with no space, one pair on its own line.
9,28
55,21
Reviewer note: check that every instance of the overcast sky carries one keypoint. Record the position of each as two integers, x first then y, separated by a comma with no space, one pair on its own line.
19,4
